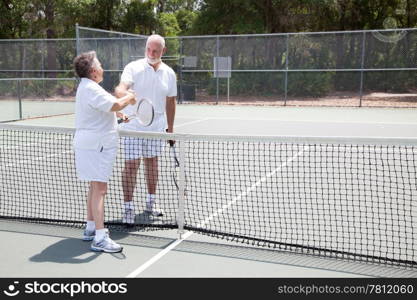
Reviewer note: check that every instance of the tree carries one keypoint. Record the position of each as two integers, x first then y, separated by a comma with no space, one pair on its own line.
185,19
228,17
172,6
139,18
168,25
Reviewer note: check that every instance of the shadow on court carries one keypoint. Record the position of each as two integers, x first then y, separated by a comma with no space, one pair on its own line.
72,250
67,251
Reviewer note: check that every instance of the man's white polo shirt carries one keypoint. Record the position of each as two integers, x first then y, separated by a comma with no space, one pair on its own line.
96,125
151,84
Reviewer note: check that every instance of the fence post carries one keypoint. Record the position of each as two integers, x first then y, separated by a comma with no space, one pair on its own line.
362,66
121,64
44,52
19,96
77,39
286,70
217,65
180,64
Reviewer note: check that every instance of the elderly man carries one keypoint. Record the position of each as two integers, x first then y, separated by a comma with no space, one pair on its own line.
151,78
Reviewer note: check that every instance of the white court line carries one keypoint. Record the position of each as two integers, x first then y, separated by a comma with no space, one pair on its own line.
158,256
33,159
309,121
192,122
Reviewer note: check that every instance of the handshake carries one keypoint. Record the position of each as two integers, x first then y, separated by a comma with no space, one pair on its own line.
130,94
128,98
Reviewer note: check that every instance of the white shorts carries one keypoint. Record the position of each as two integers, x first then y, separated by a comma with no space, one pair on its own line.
135,148
95,165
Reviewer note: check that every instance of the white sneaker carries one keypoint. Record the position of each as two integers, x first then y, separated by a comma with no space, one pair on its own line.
153,209
106,245
128,216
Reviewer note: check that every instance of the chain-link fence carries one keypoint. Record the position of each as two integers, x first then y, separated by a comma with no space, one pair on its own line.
349,68
22,98
37,58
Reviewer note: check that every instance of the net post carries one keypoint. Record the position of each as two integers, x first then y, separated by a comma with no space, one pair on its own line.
181,189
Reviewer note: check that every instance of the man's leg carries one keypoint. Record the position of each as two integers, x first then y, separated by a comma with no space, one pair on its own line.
151,173
129,175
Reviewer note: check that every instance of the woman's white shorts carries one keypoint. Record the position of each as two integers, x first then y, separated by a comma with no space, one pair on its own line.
95,165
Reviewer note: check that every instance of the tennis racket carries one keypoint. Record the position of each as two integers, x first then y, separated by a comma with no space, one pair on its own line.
144,113
176,168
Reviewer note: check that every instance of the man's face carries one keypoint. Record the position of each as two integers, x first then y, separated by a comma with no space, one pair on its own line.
154,52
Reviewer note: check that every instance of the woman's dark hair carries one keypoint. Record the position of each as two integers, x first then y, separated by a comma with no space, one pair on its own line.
83,63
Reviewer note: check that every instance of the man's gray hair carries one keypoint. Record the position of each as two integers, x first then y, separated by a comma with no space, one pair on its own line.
156,38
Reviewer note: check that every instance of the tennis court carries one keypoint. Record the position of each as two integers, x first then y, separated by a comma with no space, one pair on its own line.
272,198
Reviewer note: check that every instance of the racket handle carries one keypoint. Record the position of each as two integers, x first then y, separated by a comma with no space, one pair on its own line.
119,121
170,142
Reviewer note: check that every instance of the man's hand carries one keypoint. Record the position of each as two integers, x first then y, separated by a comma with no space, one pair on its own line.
132,97
121,89
170,142
123,117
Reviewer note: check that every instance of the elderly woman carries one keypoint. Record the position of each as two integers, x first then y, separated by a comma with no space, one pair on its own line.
96,144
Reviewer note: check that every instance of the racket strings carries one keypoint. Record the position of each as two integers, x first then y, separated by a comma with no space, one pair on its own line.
145,113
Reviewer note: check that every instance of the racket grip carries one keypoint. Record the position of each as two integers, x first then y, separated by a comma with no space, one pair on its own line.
170,142
119,121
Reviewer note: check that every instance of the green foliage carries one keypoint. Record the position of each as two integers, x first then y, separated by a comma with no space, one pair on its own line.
273,84
48,18
56,19
139,17
311,84
228,17
241,16
36,89
185,19
168,25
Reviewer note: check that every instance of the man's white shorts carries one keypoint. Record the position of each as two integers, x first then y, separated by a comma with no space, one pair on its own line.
95,165
135,148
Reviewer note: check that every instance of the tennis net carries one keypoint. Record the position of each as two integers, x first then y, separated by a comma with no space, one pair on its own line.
337,197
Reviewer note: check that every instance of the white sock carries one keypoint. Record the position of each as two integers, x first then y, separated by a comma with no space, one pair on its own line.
100,233
91,225
129,205
150,198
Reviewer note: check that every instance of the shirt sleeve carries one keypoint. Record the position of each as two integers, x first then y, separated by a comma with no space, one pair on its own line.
172,86
127,75
102,100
